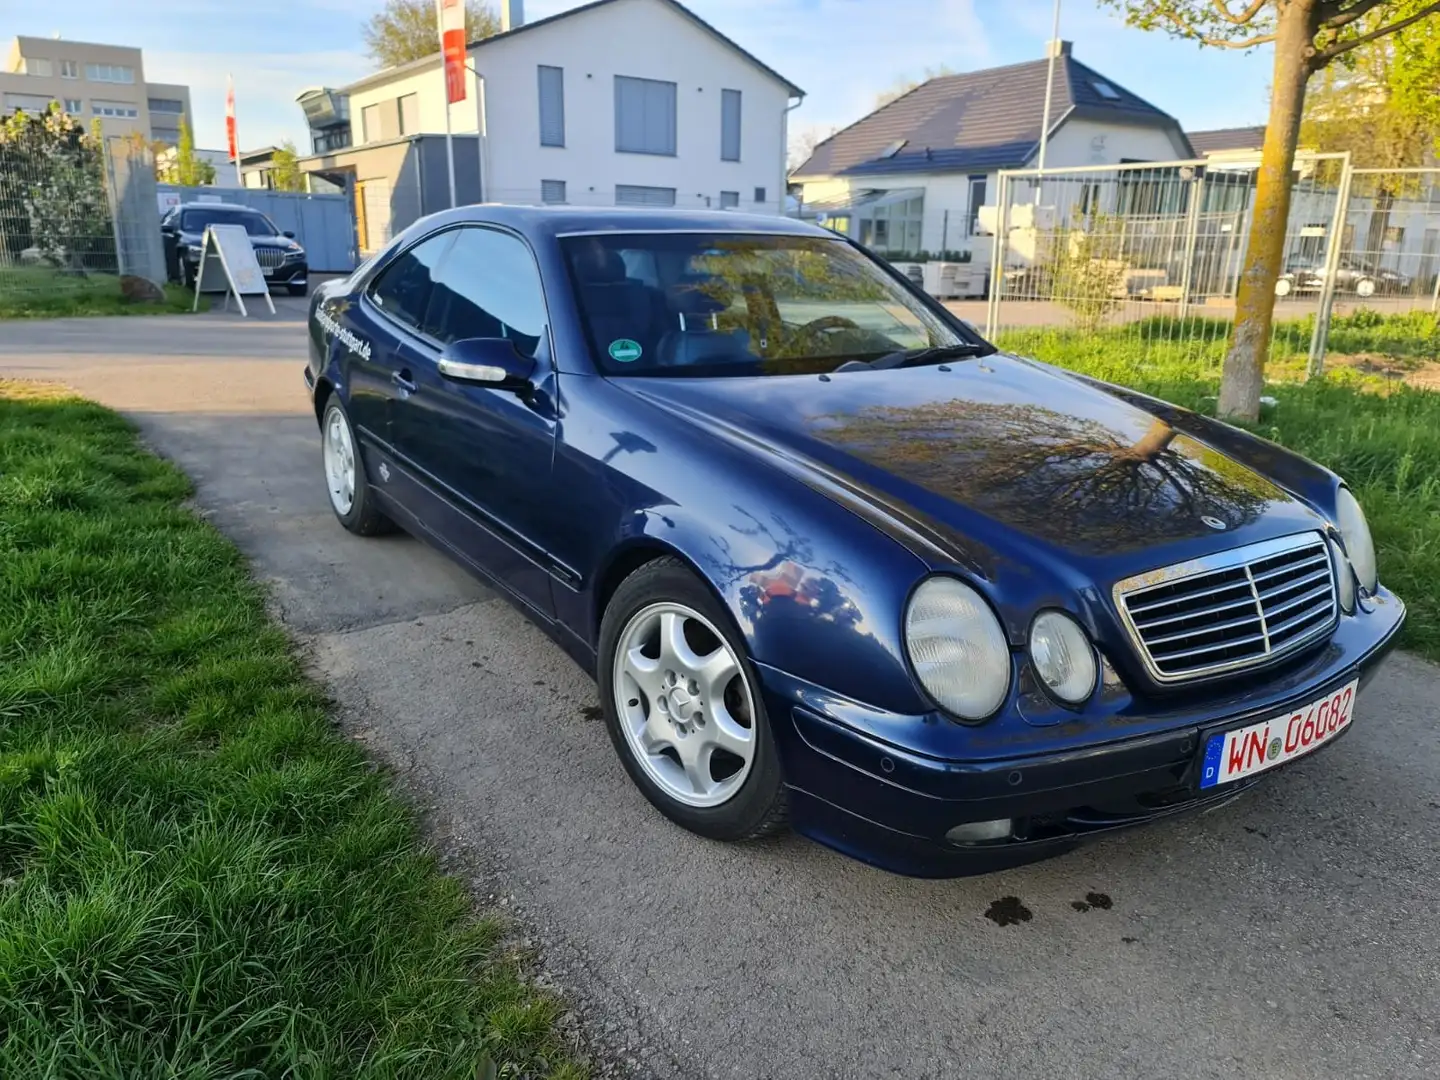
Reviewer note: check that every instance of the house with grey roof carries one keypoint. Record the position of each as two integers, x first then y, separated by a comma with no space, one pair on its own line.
913,174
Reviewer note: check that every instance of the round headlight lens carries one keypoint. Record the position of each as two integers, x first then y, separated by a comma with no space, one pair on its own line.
1358,545
1062,656
1344,577
957,648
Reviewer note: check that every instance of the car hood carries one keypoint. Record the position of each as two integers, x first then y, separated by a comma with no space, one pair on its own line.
1000,453
255,241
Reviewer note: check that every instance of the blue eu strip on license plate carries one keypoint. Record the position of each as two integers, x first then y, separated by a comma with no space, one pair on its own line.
1232,755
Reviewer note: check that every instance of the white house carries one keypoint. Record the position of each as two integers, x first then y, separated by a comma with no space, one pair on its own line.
614,102
912,175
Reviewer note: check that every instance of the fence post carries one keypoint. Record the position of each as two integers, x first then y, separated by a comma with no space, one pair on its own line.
1321,337
997,256
1192,228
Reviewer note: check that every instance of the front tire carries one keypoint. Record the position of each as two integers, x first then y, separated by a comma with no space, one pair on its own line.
1283,287
298,290
345,481
1365,288
683,706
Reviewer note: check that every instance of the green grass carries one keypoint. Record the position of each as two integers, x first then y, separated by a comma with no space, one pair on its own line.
1382,437
33,293
199,876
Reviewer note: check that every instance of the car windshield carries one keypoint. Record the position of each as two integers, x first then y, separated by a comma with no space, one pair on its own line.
741,304
256,223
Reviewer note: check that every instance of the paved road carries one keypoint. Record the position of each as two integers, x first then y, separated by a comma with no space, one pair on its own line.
1291,934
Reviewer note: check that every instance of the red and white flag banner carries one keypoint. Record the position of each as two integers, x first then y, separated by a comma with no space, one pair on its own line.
230,120
452,44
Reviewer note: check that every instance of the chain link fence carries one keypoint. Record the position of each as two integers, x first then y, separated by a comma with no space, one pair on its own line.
1146,258
57,226
77,213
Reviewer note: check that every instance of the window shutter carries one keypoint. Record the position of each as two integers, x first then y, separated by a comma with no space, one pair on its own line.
729,125
552,106
645,116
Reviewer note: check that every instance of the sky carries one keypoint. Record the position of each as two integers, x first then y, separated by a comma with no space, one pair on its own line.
842,52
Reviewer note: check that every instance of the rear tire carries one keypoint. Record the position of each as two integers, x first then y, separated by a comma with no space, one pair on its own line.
1365,287
1283,287
747,799
350,496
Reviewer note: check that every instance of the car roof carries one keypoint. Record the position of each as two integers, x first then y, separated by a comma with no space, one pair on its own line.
553,221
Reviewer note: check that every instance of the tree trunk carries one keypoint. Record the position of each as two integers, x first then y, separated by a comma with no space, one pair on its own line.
1244,371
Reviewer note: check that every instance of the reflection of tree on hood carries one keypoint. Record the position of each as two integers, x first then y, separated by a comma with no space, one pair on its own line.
1053,473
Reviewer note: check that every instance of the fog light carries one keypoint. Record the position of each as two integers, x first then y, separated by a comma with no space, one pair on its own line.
977,832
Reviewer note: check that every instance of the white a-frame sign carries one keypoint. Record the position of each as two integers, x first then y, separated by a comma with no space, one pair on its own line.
228,265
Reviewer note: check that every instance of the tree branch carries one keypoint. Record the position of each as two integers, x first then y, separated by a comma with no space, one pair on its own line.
1188,29
1222,8
1324,56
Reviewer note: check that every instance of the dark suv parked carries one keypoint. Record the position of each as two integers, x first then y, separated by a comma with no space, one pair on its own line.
281,259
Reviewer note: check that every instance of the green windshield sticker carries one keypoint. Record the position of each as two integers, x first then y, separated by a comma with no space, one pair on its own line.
624,350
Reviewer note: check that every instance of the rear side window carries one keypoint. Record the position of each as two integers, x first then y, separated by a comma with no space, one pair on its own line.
403,288
488,287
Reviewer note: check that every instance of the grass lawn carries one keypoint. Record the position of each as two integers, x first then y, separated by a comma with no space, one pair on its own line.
200,877
1382,437
31,293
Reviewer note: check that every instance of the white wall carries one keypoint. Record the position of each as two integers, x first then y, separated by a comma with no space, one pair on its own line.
643,38
1086,142
646,39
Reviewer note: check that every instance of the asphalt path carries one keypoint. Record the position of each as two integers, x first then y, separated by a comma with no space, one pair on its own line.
1293,933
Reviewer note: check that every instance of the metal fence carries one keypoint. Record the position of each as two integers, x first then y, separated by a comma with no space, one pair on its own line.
76,214
1154,251
57,225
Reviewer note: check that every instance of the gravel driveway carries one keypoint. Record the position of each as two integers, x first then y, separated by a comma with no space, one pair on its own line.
1290,934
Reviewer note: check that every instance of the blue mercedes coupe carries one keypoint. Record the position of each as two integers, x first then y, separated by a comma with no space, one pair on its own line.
833,559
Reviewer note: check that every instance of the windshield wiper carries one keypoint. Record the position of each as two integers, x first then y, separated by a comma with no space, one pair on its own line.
924,355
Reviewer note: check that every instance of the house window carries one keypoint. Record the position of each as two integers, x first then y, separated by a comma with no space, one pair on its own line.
644,116
369,123
74,106
729,125
1395,234
36,103
639,195
114,108
409,114
167,105
552,191
116,73
69,69
36,65
977,200
729,200
759,195
552,106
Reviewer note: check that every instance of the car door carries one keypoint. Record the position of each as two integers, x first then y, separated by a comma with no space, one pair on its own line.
386,321
487,453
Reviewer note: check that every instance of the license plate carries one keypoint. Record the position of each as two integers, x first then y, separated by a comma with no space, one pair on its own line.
269,271
1232,755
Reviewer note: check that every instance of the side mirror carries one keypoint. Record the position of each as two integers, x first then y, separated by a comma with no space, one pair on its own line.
288,235
492,362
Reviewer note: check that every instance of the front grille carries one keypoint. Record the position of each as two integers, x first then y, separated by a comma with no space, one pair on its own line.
1233,610
269,258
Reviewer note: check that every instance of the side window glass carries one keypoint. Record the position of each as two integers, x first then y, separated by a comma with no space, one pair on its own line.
488,287
403,288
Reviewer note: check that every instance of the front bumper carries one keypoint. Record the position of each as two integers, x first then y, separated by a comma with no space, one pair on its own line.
891,807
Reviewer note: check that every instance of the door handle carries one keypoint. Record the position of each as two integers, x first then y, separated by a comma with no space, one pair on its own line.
403,381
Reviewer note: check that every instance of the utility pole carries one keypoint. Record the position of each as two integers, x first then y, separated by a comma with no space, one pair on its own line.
1053,48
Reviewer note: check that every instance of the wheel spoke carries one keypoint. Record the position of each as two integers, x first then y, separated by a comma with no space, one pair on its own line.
674,649
695,757
722,731
714,674
646,672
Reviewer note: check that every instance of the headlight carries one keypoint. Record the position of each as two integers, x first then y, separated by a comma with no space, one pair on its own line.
1063,656
957,648
1344,577
1356,534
